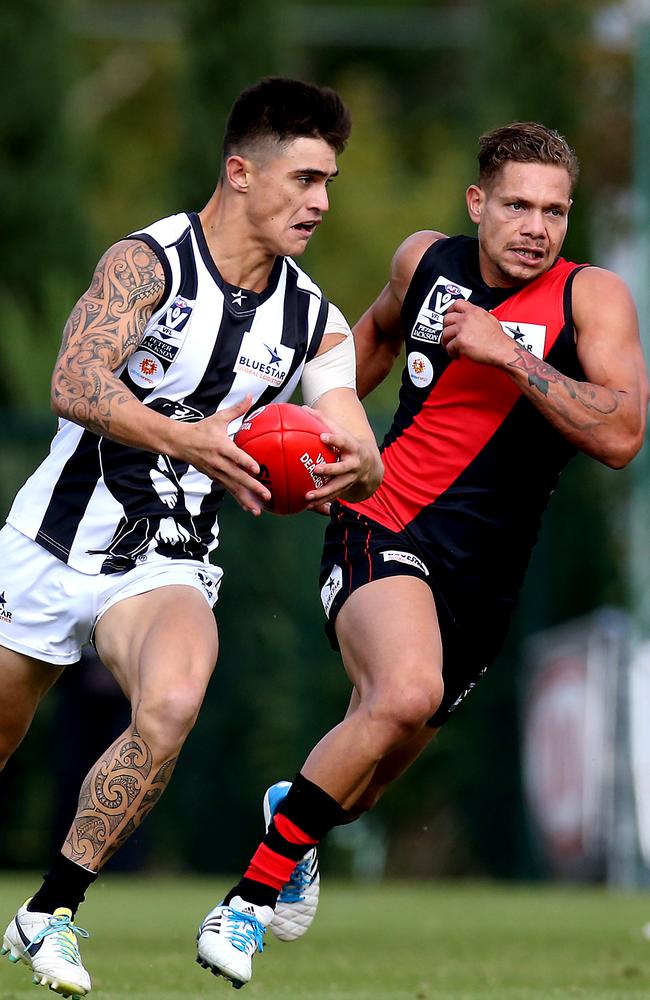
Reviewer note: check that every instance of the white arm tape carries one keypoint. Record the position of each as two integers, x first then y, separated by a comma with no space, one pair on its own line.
334,369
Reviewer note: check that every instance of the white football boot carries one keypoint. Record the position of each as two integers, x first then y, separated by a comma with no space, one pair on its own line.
229,937
298,899
47,943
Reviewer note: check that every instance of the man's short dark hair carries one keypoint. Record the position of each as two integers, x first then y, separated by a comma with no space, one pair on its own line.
524,142
282,110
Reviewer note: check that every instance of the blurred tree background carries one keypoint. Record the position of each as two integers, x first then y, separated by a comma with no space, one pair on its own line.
112,117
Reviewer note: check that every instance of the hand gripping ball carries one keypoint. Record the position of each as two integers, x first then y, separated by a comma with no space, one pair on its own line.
284,439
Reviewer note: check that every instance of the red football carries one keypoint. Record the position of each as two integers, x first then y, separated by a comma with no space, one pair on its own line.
284,439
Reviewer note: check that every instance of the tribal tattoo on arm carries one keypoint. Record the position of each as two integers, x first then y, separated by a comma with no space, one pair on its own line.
593,399
104,328
118,792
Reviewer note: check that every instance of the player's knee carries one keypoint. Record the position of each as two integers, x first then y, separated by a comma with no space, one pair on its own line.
166,719
403,710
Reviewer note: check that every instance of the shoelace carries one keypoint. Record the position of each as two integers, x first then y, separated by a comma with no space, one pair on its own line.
245,930
301,878
65,942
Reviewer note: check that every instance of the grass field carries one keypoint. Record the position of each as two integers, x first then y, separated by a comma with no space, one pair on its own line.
397,941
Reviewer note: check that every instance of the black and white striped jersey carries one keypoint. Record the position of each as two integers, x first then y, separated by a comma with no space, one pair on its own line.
103,507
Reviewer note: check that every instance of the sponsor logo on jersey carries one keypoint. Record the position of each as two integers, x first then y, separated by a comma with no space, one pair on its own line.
470,687
331,587
428,325
207,584
5,613
532,336
177,409
163,349
420,369
266,360
395,555
145,369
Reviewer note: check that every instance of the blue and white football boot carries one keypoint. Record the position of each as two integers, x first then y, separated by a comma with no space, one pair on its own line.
229,937
47,943
298,899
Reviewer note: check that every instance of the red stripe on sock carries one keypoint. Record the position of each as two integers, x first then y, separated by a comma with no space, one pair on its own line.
270,868
290,831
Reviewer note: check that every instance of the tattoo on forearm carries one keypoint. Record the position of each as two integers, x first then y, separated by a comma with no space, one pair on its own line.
117,794
104,328
541,376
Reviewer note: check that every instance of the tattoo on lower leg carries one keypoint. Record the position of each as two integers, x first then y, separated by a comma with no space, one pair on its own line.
115,797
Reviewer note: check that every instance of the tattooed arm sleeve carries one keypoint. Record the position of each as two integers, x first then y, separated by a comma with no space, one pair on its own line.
103,330
605,416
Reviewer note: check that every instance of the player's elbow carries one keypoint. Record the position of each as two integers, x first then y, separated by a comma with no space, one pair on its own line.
623,449
56,400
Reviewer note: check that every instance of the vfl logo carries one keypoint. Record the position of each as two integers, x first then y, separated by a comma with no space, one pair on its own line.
176,317
428,325
170,327
330,588
531,336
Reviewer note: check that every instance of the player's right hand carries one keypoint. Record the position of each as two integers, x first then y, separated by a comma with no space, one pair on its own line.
209,449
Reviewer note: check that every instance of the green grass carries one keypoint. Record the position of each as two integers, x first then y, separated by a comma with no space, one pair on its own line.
398,941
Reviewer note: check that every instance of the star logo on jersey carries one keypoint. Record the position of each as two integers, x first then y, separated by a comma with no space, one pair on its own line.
330,589
530,336
5,616
238,297
275,357
514,332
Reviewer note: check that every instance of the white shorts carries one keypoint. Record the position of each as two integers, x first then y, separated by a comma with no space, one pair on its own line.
49,610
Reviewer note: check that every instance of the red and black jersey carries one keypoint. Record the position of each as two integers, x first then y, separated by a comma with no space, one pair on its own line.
470,462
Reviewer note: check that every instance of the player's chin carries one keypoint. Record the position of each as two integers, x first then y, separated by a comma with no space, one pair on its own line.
521,271
299,240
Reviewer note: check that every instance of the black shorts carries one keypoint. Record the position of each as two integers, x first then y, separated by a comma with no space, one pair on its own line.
473,624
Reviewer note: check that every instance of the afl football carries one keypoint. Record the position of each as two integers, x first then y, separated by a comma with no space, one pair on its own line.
284,439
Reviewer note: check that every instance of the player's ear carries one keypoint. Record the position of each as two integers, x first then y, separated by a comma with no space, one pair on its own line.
236,171
474,197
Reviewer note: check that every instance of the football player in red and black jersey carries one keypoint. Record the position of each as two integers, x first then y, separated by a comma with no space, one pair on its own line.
514,360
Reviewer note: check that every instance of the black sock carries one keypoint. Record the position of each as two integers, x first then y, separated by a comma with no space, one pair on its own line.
63,885
311,808
253,892
314,813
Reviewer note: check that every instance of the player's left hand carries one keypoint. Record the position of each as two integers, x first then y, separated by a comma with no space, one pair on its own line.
472,332
351,475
